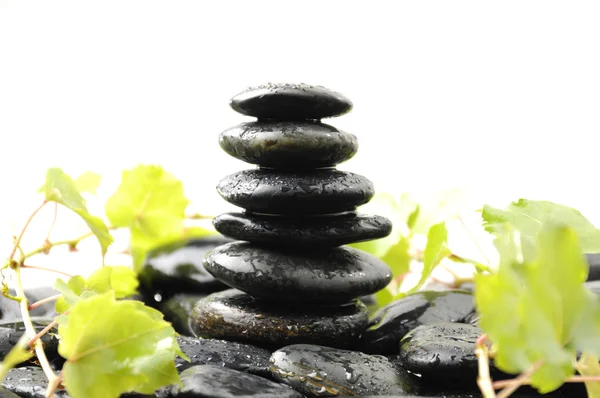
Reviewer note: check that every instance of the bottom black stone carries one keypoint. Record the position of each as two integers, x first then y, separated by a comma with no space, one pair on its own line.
235,316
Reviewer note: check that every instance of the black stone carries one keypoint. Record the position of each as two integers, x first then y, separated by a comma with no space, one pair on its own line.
12,330
330,276
29,382
389,325
221,382
178,310
236,316
177,268
312,192
311,232
593,260
285,101
328,372
243,357
442,352
289,145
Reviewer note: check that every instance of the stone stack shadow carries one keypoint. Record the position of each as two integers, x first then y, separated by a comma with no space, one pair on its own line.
293,279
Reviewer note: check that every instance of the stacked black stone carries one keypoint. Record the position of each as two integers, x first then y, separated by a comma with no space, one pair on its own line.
293,279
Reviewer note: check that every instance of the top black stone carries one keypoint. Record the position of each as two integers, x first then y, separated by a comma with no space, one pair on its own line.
290,102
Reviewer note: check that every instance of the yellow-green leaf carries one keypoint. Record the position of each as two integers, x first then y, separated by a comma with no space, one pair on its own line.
436,250
116,346
88,182
18,354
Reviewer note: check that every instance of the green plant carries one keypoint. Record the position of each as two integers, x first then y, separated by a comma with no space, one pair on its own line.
112,344
535,310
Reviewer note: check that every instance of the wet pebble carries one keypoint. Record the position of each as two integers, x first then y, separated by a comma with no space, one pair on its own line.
327,372
178,310
11,332
177,268
329,276
289,145
304,232
236,316
29,382
321,191
392,322
238,356
285,101
221,382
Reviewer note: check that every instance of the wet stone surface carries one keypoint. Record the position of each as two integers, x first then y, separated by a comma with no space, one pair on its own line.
242,357
289,145
234,315
327,372
444,352
221,382
284,101
391,323
11,332
178,310
329,276
177,268
296,193
29,382
304,232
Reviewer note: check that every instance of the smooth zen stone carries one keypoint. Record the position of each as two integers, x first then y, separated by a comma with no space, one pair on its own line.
330,276
442,352
178,310
236,316
177,268
229,354
593,260
29,382
220,382
285,101
289,145
328,372
319,231
395,320
310,192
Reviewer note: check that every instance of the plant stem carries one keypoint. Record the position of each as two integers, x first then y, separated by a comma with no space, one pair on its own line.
573,379
522,379
53,221
54,385
43,301
39,349
70,242
43,332
20,237
484,381
45,269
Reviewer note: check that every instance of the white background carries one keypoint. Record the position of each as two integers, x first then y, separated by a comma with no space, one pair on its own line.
501,98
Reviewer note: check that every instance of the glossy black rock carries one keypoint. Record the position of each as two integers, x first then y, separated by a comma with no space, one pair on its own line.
444,352
244,357
328,276
29,382
221,382
12,330
319,231
328,372
177,268
236,316
178,310
392,322
311,192
289,145
284,101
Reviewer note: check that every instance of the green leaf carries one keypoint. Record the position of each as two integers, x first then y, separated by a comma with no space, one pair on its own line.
151,203
413,217
588,365
88,182
435,251
538,311
18,354
122,281
528,217
113,347
61,188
